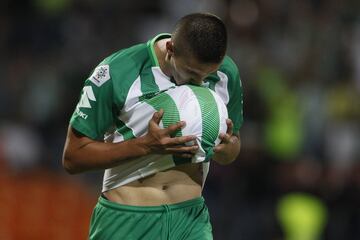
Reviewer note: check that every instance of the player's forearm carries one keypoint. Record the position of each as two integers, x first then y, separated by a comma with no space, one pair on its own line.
86,155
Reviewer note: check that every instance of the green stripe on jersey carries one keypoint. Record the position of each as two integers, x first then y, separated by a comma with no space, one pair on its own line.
210,118
212,80
171,113
124,130
149,88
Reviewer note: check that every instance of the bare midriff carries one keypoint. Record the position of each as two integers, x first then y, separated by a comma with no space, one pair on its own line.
177,184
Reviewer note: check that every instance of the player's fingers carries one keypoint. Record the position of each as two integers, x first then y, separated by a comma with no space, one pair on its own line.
225,138
181,140
230,126
218,148
234,139
155,120
157,116
182,149
174,127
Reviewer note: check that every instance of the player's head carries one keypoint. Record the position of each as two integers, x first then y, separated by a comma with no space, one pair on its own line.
197,47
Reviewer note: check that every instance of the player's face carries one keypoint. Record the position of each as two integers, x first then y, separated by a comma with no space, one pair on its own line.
186,69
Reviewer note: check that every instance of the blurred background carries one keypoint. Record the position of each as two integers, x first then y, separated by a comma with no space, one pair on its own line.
298,174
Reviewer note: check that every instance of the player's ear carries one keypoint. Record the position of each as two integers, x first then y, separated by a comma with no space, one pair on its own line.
170,48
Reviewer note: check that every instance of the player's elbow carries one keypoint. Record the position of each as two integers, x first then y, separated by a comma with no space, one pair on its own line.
69,164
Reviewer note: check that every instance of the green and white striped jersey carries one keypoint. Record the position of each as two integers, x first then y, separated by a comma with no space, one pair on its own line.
131,77
205,115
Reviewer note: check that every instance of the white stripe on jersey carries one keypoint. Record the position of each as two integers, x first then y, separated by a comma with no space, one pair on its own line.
161,80
132,100
118,137
205,169
114,137
138,118
133,95
221,87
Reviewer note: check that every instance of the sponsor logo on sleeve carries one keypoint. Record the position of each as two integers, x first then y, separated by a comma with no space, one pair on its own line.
100,75
86,97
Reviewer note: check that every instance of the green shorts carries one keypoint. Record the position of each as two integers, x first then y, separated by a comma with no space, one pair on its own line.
185,220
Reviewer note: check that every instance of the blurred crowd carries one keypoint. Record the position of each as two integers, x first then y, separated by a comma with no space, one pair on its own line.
298,173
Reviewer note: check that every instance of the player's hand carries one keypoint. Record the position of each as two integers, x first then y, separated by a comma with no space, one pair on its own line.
159,140
229,147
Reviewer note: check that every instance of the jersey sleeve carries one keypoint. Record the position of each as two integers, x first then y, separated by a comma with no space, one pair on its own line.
235,90
93,114
235,105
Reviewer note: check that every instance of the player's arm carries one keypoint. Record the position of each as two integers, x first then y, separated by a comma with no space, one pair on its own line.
82,153
229,148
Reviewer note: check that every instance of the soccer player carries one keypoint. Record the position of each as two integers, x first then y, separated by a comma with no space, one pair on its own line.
160,196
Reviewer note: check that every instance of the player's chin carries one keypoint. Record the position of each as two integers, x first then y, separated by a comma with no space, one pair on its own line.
180,81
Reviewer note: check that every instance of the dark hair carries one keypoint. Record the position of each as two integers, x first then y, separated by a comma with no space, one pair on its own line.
202,35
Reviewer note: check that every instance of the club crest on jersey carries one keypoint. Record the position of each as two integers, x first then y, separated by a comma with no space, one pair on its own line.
100,75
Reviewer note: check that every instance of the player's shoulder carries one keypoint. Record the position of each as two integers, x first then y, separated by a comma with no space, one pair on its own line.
128,57
229,67
122,66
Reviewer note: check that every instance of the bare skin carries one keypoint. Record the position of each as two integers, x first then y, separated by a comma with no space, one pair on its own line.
177,184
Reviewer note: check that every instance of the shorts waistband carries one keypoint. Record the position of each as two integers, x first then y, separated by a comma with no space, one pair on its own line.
161,208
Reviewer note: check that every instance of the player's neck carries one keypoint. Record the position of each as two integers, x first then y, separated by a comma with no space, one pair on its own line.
160,51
